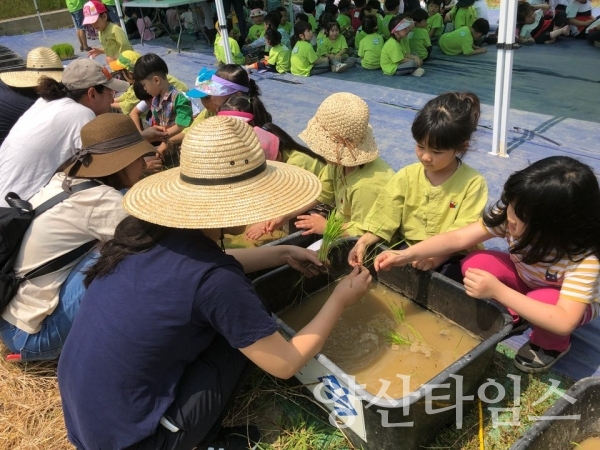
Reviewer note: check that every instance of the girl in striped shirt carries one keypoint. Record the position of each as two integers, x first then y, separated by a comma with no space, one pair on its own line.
549,213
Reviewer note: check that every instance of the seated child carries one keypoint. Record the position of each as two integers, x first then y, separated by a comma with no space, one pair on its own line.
534,28
305,61
335,48
435,21
171,110
461,41
392,9
309,8
355,16
278,60
113,39
258,29
139,113
343,19
593,33
579,15
272,22
285,23
462,15
419,41
396,58
219,46
374,7
370,47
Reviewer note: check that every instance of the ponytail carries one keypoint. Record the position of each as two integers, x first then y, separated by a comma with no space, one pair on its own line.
286,142
50,89
261,115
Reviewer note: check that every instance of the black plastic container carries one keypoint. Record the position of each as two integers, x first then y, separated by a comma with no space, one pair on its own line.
561,433
366,425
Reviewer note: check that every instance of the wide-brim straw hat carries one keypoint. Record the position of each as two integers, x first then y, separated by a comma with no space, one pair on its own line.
340,131
41,61
109,143
223,181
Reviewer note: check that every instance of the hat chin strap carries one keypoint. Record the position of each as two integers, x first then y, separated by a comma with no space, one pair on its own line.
221,238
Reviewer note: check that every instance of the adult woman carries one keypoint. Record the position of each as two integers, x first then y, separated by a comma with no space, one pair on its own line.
174,317
37,320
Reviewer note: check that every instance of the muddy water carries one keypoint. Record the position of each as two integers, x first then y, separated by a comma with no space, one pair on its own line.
589,444
361,342
240,240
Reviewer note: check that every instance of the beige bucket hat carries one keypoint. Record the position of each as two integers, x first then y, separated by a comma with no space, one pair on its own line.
41,61
340,131
223,181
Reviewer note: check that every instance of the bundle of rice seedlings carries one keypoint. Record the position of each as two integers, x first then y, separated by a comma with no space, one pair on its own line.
64,51
332,236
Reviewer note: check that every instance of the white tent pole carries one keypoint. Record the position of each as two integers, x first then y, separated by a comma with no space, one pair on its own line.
120,13
511,23
499,77
223,28
39,17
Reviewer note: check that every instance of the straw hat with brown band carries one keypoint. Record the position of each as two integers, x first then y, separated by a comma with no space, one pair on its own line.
40,61
340,131
223,181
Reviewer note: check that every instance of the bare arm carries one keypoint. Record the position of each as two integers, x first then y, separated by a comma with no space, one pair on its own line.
135,116
253,259
278,222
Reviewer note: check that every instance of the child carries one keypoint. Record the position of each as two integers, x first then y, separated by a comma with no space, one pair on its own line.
170,109
460,42
234,47
335,48
535,29
593,33
304,61
437,194
392,9
319,8
395,55
279,55
343,18
579,15
549,213
355,17
138,114
354,175
419,41
285,23
370,47
462,15
112,38
309,9
374,8
272,22
435,22
258,29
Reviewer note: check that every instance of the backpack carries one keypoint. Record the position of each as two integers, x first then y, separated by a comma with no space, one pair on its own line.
14,222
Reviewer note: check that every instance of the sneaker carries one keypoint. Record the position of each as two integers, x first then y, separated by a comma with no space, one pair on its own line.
234,438
419,72
532,358
339,68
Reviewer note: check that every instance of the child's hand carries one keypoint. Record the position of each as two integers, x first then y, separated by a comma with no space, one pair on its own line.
313,224
424,264
161,149
95,52
390,258
357,254
353,286
256,231
481,284
153,164
274,224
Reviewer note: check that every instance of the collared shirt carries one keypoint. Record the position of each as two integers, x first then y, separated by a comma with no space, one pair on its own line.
173,108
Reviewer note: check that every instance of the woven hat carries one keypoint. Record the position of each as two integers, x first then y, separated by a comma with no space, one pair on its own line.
125,61
41,61
110,142
340,131
223,181
85,73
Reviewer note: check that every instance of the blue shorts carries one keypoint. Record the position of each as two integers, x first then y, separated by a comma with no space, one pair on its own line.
78,19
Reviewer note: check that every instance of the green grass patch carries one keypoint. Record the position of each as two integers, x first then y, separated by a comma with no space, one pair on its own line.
64,51
10,9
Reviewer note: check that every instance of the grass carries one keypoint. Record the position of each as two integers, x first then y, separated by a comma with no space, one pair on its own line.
10,9
64,51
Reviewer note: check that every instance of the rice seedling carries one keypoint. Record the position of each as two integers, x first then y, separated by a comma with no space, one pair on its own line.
332,236
398,312
393,337
64,51
415,333
374,251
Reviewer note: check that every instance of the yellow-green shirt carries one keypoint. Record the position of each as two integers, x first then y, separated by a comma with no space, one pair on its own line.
463,17
299,159
313,22
127,101
436,22
236,53
114,40
303,58
382,28
370,51
410,207
386,25
457,42
204,114
392,53
329,47
279,56
360,35
256,31
355,193
344,21
419,42
288,27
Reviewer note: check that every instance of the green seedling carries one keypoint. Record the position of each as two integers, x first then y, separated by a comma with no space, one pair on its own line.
398,312
64,51
332,236
393,337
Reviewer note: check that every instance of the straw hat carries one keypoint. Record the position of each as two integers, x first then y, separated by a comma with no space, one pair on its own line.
340,131
40,61
110,142
223,181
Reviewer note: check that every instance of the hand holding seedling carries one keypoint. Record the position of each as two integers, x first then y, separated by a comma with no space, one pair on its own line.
353,286
481,284
313,224
303,260
154,134
274,224
390,258
256,231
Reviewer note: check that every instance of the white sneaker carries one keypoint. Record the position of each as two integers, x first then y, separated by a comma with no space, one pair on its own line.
339,68
419,72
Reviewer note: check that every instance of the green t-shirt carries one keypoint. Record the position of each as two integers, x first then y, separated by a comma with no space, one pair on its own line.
288,27
109,2
331,47
279,56
419,42
436,22
386,25
114,40
463,17
204,114
392,53
303,58
457,42
320,40
370,51
256,31
299,159
75,5
344,21
236,53
313,22
360,35
381,26
355,193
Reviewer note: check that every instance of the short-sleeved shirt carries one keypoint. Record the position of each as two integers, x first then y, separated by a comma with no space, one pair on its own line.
355,193
419,42
114,41
288,27
256,31
370,49
360,35
344,21
13,105
463,17
75,5
303,58
279,56
409,207
329,47
526,29
173,108
300,159
436,22
136,332
457,42
381,27
236,53
128,100
386,25
392,53
313,22
577,281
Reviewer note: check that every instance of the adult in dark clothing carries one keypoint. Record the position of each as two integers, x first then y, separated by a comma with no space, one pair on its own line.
238,7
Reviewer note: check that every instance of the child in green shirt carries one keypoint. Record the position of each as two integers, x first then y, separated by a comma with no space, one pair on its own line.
369,49
309,8
304,60
435,21
392,7
285,23
258,29
234,47
396,58
345,22
419,41
440,193
278,60
335,48
462,15
113,39
461,41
